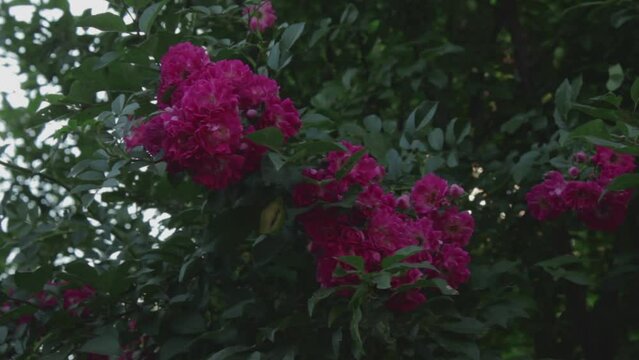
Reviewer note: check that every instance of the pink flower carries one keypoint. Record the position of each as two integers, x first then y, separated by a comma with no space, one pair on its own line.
220,171
149,134
453,262
177,65
612,164
580,157
455,191
388,232
424,234
574,171
283,115
306,194
457,226
219,135
234,71
545,200
202,131
581,195
609,213
260,17
403,202
179,143
366,171
428,194
75,298
205,99
373,198
375,227
256,90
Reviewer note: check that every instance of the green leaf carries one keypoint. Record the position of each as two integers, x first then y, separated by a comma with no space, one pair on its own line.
450,132
615,77
188,323
427,111
137,4
451,160
433,163
606,114
273,60
290,35
105,344
349,164
33,281
104,22
4,331
336,341
148,16
634,92
576,277
118,104
623,182
394,160
174,346
270,137
400,255
357,262
358,345
237,310
106,59
559,261
82,272
91,176
315,147
609,98
373,123
596,128
523,167
436,139
465,325
228,352
563,99
318,296
382,280
278,160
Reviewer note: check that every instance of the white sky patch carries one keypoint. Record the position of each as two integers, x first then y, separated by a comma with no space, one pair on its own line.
10,84
10,81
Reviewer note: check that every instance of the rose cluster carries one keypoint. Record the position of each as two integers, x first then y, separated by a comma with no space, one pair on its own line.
380,223
584,190
56,295
73,300
207,109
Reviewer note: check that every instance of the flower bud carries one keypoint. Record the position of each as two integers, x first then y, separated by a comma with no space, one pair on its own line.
455,191
574,171
403,202
580,157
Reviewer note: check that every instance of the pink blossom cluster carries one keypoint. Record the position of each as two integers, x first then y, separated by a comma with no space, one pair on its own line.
73,300
584,190
260,17
380,223
208,108
52,297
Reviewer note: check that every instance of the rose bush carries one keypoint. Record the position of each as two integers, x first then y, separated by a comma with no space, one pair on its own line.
320,180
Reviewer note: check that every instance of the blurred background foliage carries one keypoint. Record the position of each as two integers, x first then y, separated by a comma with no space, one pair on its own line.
490,94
